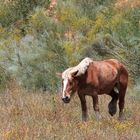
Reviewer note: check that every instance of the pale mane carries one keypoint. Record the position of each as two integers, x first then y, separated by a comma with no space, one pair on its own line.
81,67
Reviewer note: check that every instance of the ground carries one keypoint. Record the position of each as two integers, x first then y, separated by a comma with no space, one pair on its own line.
42,116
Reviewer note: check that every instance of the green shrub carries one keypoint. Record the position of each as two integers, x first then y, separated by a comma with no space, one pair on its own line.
34,44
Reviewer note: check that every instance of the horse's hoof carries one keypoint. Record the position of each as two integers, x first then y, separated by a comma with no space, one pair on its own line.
111,113
84,118
112,108
98,116
121,117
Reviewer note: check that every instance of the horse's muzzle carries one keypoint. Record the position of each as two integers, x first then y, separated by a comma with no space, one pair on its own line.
66,99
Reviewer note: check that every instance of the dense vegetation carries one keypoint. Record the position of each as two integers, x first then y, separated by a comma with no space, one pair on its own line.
40,38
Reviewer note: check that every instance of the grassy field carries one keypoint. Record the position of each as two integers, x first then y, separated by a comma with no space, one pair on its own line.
38,116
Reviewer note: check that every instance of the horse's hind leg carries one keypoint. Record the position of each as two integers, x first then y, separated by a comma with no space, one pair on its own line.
122,100
112,106
122,91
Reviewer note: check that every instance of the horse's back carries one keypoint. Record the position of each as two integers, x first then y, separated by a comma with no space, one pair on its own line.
108,64
105,73
119,66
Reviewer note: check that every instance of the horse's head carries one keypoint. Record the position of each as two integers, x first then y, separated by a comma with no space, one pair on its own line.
69,86
70,76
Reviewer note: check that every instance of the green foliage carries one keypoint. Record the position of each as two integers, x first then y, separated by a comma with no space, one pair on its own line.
35,44
12,11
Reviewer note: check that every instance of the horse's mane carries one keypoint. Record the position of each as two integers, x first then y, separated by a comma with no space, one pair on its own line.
81,68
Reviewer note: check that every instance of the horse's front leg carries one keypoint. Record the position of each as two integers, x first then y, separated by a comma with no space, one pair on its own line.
96,106
84,107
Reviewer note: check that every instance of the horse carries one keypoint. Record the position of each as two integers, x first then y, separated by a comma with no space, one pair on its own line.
95,78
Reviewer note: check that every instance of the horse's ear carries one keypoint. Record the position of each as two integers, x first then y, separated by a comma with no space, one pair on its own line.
59,74
74,74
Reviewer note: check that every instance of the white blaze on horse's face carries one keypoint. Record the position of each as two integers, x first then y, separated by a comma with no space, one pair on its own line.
65,82
65,92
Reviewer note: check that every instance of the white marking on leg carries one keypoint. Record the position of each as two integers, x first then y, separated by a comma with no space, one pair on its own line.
116,90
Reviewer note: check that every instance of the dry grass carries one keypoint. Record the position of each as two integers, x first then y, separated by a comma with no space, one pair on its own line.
37,116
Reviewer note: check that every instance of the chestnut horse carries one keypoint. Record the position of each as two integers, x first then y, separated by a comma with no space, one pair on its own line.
94,78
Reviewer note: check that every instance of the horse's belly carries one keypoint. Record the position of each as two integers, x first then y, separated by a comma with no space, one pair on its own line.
107,86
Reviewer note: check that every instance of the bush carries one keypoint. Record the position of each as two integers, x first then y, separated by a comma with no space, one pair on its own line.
37,41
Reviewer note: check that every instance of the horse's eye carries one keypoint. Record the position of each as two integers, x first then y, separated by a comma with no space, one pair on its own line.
70,83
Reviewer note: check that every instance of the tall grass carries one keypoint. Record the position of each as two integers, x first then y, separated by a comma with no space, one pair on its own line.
38,116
